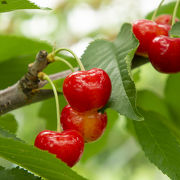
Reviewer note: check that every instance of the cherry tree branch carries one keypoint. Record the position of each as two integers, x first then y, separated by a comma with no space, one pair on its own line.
26,90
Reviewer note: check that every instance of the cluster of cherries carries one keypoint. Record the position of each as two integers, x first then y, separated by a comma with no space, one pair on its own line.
155,43
86,92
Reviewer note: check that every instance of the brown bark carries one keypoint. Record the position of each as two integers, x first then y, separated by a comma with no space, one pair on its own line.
26,90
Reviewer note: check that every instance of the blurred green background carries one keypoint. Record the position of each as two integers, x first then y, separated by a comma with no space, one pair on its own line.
74,24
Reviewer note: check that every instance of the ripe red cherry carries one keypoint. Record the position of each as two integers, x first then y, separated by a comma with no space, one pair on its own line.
165,19
90,124
164,54
87,90
67,145
145,31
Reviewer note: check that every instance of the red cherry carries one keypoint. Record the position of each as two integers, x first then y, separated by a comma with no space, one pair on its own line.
165,19
90,124
164,54
87,90
145,31
67,145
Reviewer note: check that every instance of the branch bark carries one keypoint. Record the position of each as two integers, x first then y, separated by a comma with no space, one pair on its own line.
26,90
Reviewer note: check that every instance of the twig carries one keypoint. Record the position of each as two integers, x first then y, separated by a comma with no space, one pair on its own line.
26,90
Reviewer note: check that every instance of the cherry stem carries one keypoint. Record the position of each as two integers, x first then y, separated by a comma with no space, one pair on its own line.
56,58
44,76
175,12
155,12
77,59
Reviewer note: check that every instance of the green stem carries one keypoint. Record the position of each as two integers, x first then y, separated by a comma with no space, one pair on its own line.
175,12
46,77
155,12
77,59
56,58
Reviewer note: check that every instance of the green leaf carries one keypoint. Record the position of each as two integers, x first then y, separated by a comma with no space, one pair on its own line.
172,97
8,122
175,31
159,144
17,174
11,5
165,9
150,101
39,162
115,58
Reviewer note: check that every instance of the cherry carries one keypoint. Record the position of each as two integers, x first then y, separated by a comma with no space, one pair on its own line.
165,19
67,145
90,124
164,54
145,30
87,90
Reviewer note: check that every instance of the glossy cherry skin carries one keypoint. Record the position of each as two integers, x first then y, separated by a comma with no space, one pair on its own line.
164,54
67,145
165,19
145,31
87,90
90,124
